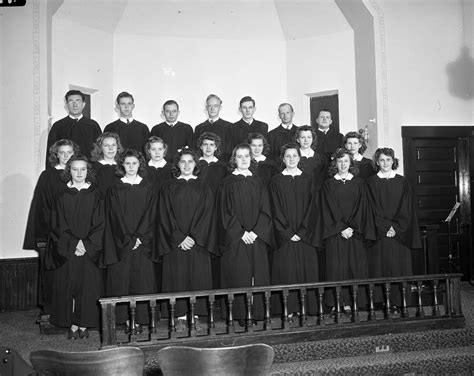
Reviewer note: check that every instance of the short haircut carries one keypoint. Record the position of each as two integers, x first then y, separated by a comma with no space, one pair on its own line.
170,101
75,92
259,136
386,151
325,110
152,140
120,170
363,145
247,99
124,94
210,96
339,153
307,128
233,163
97,154
286,147
66,174
285,104
53,150
177,157
212,137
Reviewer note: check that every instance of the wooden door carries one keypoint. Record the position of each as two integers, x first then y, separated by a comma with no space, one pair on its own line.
437,162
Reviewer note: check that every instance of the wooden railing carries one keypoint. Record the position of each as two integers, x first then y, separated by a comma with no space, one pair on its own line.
437,300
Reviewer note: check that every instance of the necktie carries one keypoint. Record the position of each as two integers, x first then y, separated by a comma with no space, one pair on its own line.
128,121
211,121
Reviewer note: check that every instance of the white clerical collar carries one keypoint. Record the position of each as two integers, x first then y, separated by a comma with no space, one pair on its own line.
213,120
84,186
160,164
389,176
137,180
358,157
213,159
126,120
190,177
58,167
107,163
295,172
244,173
76,118
348,177
249,122
260,158
287,126
308,153
323,130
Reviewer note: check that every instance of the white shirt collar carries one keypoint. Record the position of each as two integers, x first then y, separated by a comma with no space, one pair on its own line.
159,164
105,163
76,118
287,126
358,157
171,124
124,120
243,173
192,177
348,177
84,186
390,176
324,130
260,158
214,159
213,120
58,167
138,180
296,172
308,153
248,122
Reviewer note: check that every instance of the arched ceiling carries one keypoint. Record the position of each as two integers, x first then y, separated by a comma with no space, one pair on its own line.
233,19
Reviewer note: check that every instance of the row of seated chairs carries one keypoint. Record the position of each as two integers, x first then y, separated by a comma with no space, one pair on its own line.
248,360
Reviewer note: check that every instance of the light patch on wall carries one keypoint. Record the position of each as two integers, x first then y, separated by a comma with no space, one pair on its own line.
169,72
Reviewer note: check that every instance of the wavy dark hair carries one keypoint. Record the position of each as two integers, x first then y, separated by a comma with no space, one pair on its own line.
177,157
152,140
386,151
66,174
363,145
285,147
308,128
232,163
211,137
97,154
53,158
120,170
339,153
259,136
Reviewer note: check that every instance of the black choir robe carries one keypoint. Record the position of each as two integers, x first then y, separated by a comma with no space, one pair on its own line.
277,138
186,208
176,137
365,168
242,129
244,206
132,136
83,132
213,173
158,176
130,214
105,176
392,204
343,205
76,215
293,262
316,167
267,169
329,142
223,129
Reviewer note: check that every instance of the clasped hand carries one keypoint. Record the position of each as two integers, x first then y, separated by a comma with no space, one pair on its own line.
249,237
347,233
391,232
187,243
80,249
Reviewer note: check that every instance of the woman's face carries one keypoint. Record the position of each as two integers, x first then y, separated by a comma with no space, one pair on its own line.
78,170
385,162
208,148
291,158
157,151
353,145
242,159
109,147
186,165
305,139
343,164
65,152
131,165
256,146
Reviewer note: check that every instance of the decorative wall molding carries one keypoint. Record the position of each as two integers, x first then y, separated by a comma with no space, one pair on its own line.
36,85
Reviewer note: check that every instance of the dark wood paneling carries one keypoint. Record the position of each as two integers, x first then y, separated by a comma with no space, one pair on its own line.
18,284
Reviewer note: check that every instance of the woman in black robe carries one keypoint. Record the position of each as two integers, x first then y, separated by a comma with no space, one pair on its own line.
346,224
355,143
158,170
246,222
128,241
396,223
295,259
266,167
186,232
212,169
104,155
74,249
48,188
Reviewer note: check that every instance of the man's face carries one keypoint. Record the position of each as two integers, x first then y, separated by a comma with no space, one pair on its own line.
247,109
75,105
171,113
213,107
126,107
286,114
324,120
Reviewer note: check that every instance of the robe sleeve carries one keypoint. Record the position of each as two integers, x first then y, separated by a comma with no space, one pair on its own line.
405,222
331,215
264,228
203,228
94,240
231,226
282,226
146,227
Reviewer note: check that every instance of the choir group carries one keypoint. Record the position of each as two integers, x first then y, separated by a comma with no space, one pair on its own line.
130,211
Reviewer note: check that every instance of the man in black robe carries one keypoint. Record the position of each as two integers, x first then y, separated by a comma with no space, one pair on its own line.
284,133
75,127
173,132
248,124
217,125
329,139
133,134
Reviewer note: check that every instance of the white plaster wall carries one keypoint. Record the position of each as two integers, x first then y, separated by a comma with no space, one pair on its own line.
155,69
322,64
